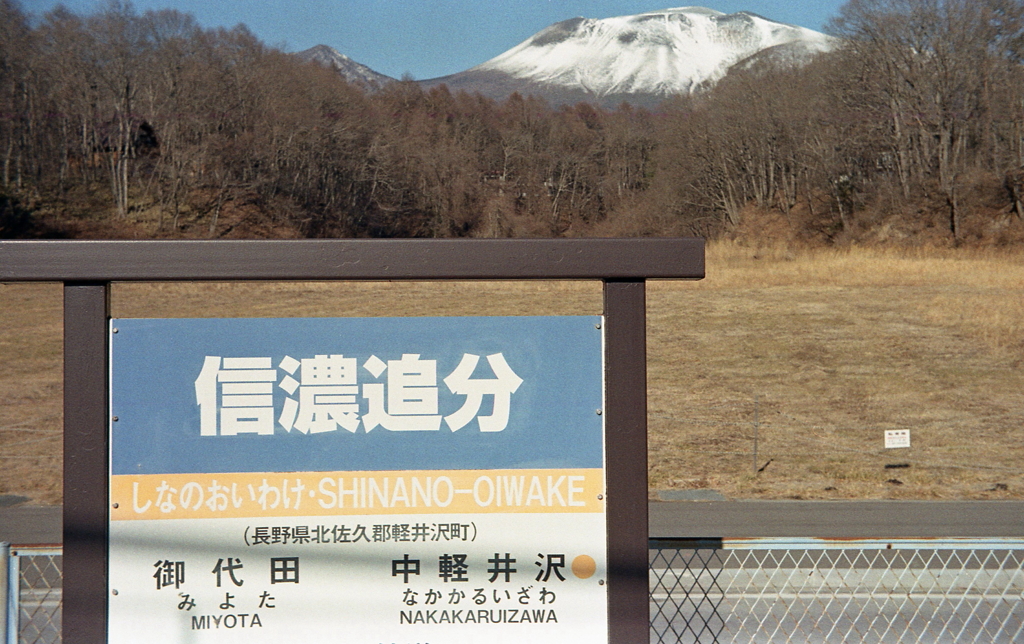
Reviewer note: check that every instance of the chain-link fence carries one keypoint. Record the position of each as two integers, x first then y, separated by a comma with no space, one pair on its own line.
849,590
745,590
34,592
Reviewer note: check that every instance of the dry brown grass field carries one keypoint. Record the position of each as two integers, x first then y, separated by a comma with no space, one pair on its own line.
832,348
818,352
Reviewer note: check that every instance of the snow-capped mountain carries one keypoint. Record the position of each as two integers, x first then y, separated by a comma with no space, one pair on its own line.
647,56
349,69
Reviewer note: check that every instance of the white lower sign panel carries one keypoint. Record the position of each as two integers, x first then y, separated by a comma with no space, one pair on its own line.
494,578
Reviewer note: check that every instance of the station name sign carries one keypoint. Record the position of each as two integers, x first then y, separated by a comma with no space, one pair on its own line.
375,479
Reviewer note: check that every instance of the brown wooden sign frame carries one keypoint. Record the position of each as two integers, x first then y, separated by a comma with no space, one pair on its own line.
87,270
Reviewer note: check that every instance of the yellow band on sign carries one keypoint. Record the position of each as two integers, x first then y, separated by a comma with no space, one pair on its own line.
236,495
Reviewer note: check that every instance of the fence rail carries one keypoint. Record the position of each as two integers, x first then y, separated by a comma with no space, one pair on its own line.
741,590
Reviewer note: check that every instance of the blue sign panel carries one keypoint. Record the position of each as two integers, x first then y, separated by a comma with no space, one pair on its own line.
366,394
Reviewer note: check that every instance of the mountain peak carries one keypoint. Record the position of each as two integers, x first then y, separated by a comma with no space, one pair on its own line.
652,54
347,68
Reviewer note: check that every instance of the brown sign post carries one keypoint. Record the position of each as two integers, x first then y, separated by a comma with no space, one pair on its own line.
87,270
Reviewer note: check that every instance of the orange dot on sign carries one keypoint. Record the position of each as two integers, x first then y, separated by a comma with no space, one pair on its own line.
584,566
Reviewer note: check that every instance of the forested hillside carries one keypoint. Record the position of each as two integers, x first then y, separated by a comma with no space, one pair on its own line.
119,124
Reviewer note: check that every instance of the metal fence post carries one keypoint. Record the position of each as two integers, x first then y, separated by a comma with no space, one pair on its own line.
10,590
5,555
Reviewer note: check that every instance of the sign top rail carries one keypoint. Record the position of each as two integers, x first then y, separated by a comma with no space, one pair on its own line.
352,259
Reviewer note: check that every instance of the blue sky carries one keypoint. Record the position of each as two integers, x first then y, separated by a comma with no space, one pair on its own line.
427,39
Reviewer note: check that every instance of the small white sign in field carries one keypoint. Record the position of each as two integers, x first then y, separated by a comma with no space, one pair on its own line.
897,438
